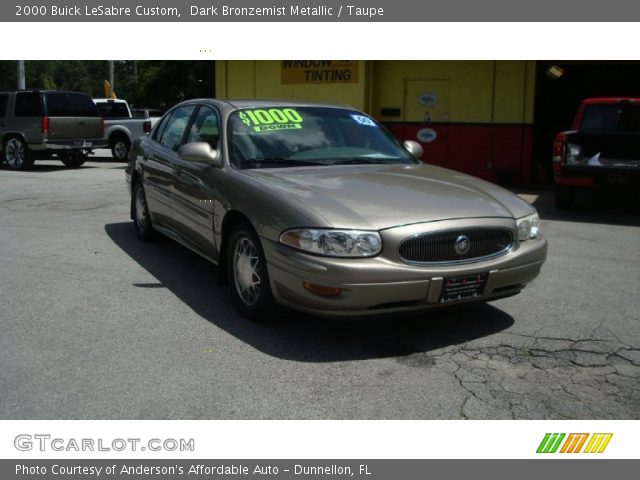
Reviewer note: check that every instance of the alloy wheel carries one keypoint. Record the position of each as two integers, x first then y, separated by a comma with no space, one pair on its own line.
14,153
246,273
141,210
120,150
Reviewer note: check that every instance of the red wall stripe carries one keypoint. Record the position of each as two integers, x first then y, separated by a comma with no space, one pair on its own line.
489,151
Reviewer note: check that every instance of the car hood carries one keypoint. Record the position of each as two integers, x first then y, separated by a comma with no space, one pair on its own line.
384,196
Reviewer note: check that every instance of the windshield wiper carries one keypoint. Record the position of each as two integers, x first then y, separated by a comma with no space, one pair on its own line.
278,161
362,161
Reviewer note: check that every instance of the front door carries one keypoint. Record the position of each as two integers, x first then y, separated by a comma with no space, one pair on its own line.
426,117
195,182
160,166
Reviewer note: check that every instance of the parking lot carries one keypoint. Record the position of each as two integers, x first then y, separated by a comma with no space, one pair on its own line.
96,325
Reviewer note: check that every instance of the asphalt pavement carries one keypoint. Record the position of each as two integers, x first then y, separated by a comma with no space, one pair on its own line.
97,325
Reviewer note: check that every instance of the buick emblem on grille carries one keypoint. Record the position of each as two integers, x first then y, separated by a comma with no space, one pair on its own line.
462,245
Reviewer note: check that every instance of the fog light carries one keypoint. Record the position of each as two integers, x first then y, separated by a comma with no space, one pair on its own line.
322,289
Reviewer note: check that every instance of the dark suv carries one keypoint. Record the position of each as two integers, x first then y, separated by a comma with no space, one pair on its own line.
37,124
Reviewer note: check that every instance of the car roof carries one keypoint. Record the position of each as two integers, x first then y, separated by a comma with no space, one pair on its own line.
591,101
49,90
238,103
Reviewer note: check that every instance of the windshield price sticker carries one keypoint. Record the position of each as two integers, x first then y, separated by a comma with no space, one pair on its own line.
362,120
272,119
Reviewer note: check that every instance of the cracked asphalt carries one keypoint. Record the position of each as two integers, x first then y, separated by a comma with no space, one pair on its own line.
96,325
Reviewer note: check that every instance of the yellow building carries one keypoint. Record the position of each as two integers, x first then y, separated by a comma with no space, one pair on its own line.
471,116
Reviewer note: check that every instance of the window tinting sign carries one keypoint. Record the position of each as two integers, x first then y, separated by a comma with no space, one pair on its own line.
319,71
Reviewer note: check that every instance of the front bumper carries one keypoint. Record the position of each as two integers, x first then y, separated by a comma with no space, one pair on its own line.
382,285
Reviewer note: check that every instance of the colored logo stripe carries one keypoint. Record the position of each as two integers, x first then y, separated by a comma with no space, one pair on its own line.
574,443
550,443
597,442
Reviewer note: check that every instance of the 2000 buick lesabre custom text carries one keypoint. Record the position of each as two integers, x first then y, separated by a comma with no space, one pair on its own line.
319,208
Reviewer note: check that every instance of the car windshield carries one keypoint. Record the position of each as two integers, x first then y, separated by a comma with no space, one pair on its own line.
278,137
618,117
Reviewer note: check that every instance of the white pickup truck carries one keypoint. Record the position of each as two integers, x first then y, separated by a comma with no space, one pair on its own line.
121,128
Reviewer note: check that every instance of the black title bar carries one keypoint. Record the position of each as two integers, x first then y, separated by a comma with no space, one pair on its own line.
320,11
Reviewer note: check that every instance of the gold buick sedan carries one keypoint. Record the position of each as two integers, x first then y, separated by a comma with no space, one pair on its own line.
319,208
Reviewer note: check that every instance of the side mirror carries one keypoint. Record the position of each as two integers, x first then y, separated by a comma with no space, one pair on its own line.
414,148
200,152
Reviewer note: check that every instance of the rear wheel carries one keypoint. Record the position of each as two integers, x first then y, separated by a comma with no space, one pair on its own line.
73,159
16,153
140,211
120,146
565,196
248,276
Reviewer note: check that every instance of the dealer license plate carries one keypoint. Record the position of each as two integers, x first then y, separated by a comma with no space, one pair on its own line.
460,288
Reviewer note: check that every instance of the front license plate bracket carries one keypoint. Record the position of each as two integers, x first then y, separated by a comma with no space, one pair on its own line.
463,287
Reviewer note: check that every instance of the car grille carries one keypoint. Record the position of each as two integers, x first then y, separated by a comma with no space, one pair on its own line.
440,247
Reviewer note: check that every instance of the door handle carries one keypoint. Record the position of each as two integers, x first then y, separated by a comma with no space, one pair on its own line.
81,123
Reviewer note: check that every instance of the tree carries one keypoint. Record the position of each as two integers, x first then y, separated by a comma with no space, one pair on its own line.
150,84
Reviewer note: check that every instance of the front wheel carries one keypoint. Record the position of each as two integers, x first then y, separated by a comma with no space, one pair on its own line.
248,276
120,148
140,211
17,154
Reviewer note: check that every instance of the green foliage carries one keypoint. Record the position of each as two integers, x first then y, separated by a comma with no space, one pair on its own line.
143,83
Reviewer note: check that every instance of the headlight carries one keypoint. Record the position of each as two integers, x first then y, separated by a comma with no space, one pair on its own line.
528,227
334,243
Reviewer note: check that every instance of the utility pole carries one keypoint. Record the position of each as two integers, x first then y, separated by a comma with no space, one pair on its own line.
21,80
111,78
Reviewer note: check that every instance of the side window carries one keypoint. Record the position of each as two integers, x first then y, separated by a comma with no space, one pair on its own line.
58,105
159,128
28,104
205,128
3,103
173,133
83,105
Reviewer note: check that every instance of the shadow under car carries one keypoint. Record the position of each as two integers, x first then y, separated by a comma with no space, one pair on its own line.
299,336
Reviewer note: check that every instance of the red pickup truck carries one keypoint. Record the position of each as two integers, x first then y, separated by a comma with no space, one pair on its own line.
601,151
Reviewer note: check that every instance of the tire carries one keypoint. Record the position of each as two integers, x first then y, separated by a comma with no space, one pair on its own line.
73,159
16,154
120,146
565,197
248,276
140,212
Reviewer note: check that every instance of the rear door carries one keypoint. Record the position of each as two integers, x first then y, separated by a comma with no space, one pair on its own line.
89,118
72,116
62,117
